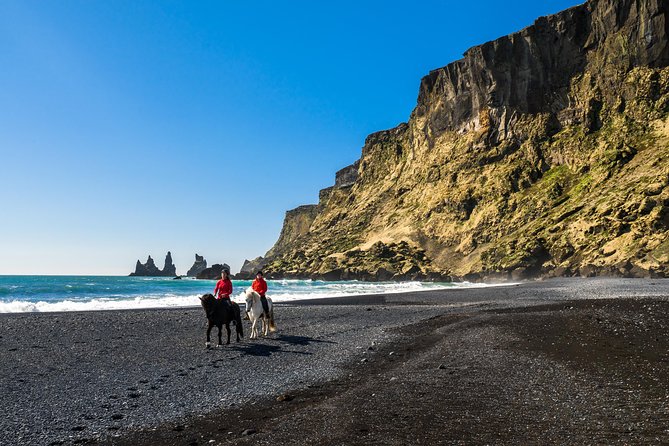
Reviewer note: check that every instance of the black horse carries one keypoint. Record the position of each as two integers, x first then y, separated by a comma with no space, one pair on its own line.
219,313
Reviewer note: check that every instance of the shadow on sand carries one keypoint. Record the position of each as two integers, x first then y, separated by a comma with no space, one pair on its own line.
299,340
260,348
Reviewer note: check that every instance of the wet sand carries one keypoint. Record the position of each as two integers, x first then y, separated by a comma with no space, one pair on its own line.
565,361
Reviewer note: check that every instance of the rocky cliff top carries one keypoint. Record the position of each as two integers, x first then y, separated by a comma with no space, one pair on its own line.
531,71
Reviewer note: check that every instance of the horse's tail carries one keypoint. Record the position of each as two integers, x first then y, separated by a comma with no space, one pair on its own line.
272,325
238,321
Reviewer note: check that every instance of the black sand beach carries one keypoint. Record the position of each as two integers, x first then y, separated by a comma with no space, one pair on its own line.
568,361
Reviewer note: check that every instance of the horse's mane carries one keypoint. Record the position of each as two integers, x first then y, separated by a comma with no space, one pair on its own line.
250,292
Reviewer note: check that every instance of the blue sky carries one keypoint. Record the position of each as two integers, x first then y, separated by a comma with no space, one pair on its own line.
130,128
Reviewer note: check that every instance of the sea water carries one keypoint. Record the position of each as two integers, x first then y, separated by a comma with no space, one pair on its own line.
82,293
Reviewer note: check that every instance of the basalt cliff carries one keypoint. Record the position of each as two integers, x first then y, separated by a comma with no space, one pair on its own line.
542,153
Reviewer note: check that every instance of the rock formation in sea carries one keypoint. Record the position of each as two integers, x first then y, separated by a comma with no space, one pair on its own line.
146,269
542,153
150,269
199,266
169,269
213,272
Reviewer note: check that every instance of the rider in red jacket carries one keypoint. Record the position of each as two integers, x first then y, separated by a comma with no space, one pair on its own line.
223,288
260,286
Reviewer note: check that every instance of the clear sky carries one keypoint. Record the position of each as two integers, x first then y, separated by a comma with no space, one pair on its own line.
130,128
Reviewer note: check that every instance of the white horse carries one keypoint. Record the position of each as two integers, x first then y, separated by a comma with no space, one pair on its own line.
257,314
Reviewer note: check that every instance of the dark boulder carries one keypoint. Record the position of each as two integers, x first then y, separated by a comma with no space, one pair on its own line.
213,272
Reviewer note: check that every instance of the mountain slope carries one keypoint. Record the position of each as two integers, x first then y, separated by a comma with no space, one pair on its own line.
545,152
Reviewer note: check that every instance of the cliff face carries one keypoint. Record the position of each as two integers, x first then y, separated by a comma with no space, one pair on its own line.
295,229
545,152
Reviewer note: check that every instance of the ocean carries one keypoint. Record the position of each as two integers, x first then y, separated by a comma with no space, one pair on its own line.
20,294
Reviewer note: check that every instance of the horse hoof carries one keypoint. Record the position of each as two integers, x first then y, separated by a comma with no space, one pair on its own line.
219,345
207,344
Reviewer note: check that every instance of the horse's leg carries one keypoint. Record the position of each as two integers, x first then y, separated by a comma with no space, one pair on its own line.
237,319
254,330
227,329
220,332
207,344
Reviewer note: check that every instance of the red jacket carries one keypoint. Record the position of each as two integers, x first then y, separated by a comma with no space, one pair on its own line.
223,289
259,286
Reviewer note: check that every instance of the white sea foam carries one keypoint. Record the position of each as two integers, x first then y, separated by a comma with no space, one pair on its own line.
291,290
169,301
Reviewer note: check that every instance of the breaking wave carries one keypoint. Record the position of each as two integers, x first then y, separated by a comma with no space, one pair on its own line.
25,294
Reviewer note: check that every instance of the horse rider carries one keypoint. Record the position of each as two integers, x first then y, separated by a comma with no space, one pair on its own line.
223,289
259,286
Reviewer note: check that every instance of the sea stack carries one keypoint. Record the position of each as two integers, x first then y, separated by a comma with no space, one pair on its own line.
147,269
169,269
199,266
151,270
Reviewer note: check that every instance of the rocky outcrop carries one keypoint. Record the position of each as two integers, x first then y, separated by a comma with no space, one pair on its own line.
169,269
146,269
250,268
150,269
199,266
347,176
541,153
296,226
213,272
